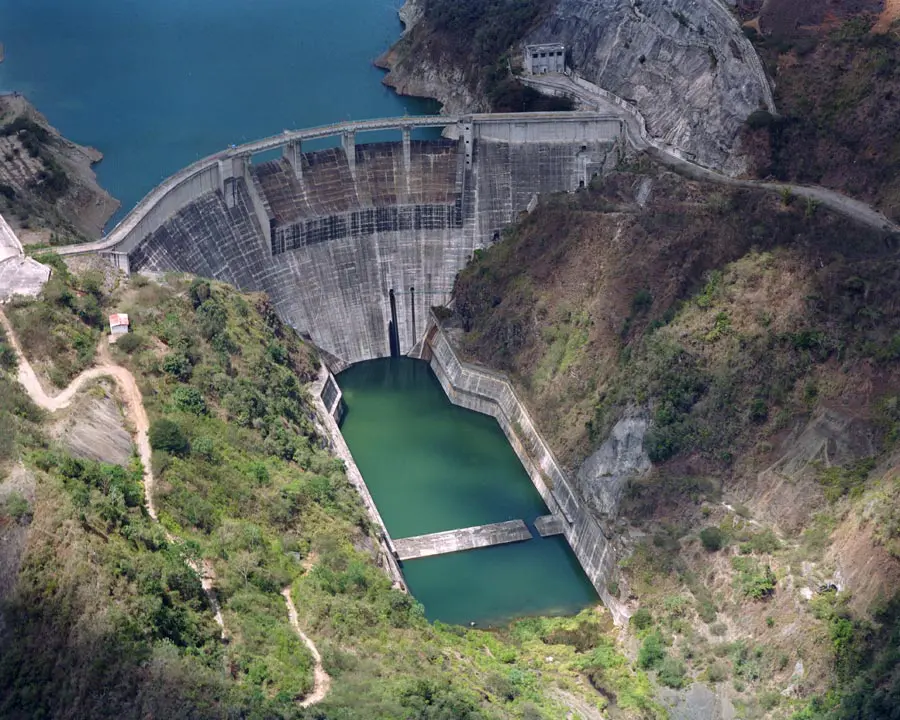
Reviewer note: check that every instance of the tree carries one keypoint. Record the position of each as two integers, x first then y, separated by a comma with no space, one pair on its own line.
713,538
189,399
168,436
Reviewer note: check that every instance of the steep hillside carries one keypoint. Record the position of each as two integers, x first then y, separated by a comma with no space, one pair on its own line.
838,97
102,615
750,342
48,191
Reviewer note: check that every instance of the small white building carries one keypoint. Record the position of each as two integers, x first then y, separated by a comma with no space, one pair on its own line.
118,324
543,59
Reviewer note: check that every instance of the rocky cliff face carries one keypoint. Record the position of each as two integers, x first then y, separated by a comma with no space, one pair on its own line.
686,64
418,66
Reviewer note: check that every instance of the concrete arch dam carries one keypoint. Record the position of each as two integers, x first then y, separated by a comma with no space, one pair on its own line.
355,243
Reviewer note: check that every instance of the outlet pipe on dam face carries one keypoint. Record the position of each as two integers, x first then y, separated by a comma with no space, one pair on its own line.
393,334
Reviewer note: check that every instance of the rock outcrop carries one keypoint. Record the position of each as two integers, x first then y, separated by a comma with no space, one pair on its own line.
686,65
418,68
46,180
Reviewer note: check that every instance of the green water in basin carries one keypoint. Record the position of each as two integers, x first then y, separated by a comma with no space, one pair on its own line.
432,466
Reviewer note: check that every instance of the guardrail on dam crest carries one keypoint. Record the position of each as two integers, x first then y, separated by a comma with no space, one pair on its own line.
334,235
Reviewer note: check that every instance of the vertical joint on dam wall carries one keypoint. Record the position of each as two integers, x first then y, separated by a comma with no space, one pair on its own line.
260,207
293,153
348,142
491,394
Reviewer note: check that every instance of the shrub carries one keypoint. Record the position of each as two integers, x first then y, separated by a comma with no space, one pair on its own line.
168,436
88,308
199,292
672,673
753,581
641,302
759,119
129,342
717,672
178,366
652,651
8,359
763,542
642,619
17,507
713,539
189,399
205,448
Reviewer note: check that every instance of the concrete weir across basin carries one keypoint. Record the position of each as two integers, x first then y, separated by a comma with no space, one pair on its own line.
469,538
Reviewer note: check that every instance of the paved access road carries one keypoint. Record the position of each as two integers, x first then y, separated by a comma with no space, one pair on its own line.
639,139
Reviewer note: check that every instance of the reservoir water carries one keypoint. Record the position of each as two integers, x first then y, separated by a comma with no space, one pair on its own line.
432,466
157,84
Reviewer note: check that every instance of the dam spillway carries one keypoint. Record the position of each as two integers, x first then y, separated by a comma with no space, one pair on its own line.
328,234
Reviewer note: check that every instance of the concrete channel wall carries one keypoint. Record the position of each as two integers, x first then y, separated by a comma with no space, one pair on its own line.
326,395
491,394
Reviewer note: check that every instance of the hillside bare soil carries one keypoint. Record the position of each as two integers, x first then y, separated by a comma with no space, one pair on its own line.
837,89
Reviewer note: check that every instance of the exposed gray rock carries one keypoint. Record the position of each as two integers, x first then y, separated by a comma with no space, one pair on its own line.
686,64
698,702
95,428
602,478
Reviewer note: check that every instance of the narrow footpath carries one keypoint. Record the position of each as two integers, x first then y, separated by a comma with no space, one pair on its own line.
138,415
321,679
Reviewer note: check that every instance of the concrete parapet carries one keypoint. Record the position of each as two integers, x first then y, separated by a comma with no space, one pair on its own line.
470,538
490,393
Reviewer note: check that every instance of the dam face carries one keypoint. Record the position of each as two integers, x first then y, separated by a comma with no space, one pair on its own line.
334,236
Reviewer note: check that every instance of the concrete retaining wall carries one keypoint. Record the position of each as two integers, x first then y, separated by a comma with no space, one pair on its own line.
491,394
339,447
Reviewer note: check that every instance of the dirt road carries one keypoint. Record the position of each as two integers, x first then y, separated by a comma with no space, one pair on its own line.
138,414
843,204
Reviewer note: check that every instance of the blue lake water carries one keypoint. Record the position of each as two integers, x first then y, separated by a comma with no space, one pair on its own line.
156,84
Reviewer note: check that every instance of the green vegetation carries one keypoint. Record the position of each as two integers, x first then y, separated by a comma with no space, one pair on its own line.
480,35
732,360
61,333
713,539
243,482
754,581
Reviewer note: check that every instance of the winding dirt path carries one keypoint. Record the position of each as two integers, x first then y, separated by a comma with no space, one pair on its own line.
138,415
322,680
137,412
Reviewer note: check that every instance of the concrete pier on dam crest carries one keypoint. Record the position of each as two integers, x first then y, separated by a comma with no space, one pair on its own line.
329,234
